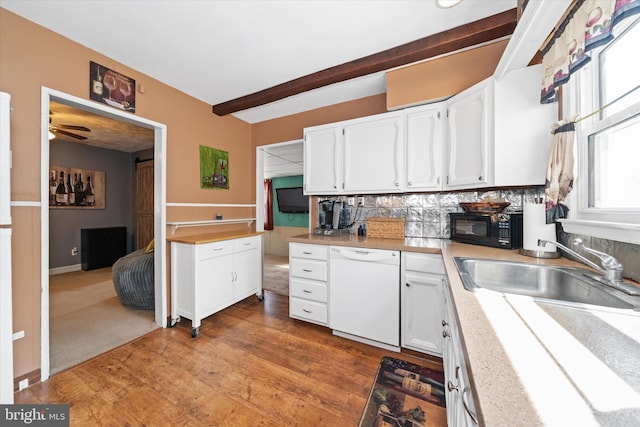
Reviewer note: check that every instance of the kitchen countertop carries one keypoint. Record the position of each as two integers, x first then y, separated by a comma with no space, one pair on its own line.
534,363
198,239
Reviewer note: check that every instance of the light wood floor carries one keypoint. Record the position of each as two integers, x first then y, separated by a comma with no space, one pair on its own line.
251,365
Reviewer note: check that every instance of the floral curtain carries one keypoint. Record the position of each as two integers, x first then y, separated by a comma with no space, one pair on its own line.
268,205
559,180
588,24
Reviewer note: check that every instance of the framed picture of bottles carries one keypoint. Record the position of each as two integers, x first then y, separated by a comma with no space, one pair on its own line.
71,188
111,88
214,168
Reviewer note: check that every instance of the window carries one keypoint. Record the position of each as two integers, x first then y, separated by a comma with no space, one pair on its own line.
608,142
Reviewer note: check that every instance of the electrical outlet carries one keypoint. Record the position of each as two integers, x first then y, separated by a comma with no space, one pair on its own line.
74,251
360,201
351,201
23,384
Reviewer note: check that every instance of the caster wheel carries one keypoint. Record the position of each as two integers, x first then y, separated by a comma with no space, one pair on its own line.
195,332
173,323
260,297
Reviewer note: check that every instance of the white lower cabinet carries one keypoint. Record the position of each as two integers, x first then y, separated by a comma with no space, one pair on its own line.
208,277
461,410
308,277
422,302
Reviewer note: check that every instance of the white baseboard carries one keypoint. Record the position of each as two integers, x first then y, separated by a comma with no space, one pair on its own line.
65,269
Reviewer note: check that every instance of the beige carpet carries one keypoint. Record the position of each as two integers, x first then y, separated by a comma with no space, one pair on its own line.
86,318
276,274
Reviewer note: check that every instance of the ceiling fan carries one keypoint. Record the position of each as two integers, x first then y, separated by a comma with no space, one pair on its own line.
64,129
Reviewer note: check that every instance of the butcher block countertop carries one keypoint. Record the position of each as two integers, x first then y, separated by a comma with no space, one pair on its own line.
530,363
198,239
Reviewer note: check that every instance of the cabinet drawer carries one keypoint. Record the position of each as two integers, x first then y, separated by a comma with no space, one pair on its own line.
301,250
425,263
214,249
308,269
246,243
310,310
301,288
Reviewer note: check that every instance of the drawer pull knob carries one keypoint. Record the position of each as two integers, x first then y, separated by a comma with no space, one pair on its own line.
445,334
307,311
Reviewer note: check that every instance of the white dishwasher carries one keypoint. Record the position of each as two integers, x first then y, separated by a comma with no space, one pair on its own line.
364,295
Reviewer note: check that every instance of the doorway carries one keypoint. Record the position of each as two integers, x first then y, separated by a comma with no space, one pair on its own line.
159,196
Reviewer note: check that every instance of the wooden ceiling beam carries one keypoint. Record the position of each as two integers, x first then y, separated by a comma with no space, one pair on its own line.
471,34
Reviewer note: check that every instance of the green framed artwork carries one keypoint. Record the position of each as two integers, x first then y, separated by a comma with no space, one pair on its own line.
214,168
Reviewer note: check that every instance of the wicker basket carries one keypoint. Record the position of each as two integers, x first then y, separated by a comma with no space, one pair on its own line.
385,228
484,207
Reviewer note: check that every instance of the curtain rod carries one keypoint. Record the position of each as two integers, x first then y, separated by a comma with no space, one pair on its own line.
601,109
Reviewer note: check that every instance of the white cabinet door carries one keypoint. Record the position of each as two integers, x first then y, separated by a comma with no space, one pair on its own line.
470,154
422,311
323,160
373,154
247,269
214,290
423,152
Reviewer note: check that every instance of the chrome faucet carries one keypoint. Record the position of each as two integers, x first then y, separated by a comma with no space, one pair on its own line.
611,268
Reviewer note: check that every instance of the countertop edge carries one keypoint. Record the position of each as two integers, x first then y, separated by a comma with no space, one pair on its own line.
198,239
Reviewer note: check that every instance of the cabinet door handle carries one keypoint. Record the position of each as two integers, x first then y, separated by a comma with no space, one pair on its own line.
307,253
306,270
409,183
445,334
306,291
408,285
217,249
480,178
438,180
444,323
247,244
452,387
307,311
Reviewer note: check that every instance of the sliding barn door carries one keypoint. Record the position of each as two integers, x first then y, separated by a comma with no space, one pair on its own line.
144,203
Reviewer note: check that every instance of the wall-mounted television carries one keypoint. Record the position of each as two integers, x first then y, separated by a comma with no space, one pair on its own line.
291,200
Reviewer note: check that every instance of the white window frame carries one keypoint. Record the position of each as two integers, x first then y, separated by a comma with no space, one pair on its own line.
580,97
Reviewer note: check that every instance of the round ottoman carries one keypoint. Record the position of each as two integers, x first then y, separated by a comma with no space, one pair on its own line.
133,279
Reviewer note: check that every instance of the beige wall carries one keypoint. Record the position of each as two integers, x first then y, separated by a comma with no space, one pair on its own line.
442,77
32,57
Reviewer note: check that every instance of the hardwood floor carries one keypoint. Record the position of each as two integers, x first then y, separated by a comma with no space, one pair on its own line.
251,365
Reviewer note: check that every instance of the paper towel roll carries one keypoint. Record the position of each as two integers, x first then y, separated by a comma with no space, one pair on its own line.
535,227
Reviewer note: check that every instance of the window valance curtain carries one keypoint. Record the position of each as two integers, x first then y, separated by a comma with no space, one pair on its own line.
588,24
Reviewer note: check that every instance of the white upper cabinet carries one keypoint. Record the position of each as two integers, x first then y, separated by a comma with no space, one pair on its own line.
423,148
493,134
323,160
498,133
373,154
469,154
362,155
522,129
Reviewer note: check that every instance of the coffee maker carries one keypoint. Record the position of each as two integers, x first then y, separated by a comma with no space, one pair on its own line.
333,218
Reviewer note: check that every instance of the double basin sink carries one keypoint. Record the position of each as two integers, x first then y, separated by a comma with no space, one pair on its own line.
575,287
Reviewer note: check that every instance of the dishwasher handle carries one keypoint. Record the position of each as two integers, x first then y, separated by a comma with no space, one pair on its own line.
366,255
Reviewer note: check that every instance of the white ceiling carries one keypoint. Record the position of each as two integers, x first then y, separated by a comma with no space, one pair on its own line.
219,50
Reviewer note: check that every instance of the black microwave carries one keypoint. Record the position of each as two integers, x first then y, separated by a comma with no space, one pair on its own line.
499,230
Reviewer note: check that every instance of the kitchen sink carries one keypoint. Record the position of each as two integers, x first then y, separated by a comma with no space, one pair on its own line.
546,283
